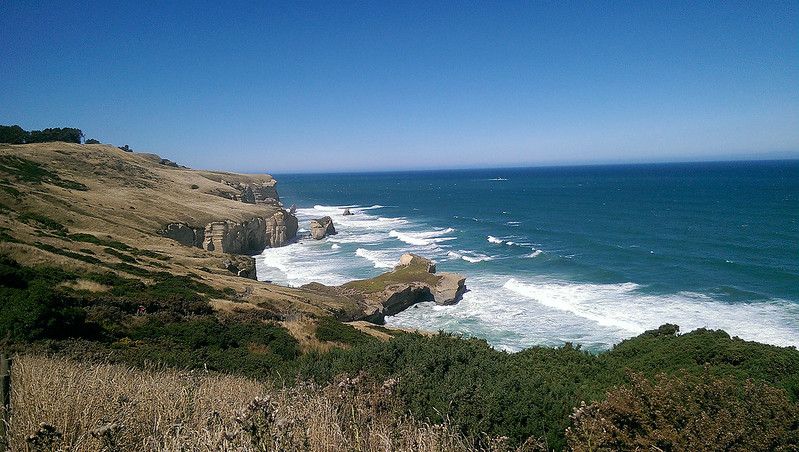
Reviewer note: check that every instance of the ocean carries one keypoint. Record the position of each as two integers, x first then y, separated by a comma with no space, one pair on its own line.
590,255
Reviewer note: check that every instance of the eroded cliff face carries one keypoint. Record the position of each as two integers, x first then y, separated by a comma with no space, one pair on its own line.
274,229
247,237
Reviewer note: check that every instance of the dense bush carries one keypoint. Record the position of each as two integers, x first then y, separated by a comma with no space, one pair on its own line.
687,412
253,349
330,330
524,396
30,308
532,393
17,135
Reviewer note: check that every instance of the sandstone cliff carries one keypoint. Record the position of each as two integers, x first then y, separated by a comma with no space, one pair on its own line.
252,236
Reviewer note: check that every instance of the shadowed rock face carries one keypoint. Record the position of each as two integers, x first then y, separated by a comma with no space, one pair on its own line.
184,234
322,227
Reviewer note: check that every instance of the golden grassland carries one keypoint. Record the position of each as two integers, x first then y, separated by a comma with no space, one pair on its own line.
59,404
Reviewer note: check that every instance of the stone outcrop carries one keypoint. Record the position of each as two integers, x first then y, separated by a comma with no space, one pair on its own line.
252,236
256,193
281,228
410,259
322,227
184,234
412,281
247,237
450,288
242,266
347,212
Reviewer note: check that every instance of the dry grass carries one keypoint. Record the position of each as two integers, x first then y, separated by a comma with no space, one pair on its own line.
85,284
59,404
303,329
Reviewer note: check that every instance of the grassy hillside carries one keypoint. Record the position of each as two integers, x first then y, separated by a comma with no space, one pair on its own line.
96,208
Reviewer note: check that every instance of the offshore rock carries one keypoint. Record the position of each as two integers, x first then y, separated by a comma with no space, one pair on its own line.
322,227
347,212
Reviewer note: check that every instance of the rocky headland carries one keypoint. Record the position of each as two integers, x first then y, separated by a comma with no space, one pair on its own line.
63,204
411,281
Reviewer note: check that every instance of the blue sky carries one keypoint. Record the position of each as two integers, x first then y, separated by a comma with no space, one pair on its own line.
340,86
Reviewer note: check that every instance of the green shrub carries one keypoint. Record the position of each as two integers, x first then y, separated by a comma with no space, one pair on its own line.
30,307
43,221
121,256
28,171
687,412
331,330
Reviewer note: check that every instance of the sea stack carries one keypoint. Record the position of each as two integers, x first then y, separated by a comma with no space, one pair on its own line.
322,227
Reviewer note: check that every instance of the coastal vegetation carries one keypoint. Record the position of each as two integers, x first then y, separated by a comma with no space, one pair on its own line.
17,135
477,392
125,340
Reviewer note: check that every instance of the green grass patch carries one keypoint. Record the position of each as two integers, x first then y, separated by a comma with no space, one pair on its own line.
407,275
36,219
28,171
67,253
331,330
385,330
121,256
5,185
88,238
6,237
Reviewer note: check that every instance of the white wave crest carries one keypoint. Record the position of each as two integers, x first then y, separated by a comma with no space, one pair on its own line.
422,238
375,257
575,298
493,239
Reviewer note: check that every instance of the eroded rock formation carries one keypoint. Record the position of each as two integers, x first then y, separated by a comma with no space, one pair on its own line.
184,234
247,237
322,227
252,236
412,281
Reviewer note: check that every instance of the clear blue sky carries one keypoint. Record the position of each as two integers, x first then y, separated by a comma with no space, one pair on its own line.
301,86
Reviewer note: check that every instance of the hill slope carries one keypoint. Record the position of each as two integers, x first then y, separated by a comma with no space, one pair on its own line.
96,207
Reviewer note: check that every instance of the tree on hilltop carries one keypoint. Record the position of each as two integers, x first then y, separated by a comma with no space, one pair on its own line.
17,135
13,134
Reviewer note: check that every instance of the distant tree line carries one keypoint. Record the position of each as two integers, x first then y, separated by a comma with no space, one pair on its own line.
17,135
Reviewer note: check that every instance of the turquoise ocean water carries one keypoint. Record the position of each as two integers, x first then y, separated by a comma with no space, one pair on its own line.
589,255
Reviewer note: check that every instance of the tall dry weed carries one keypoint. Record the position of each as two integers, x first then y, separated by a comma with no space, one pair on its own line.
59,404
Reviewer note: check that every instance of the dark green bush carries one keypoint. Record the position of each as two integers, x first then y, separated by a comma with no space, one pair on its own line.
43,221
30,307
331,330
121,256
687,412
